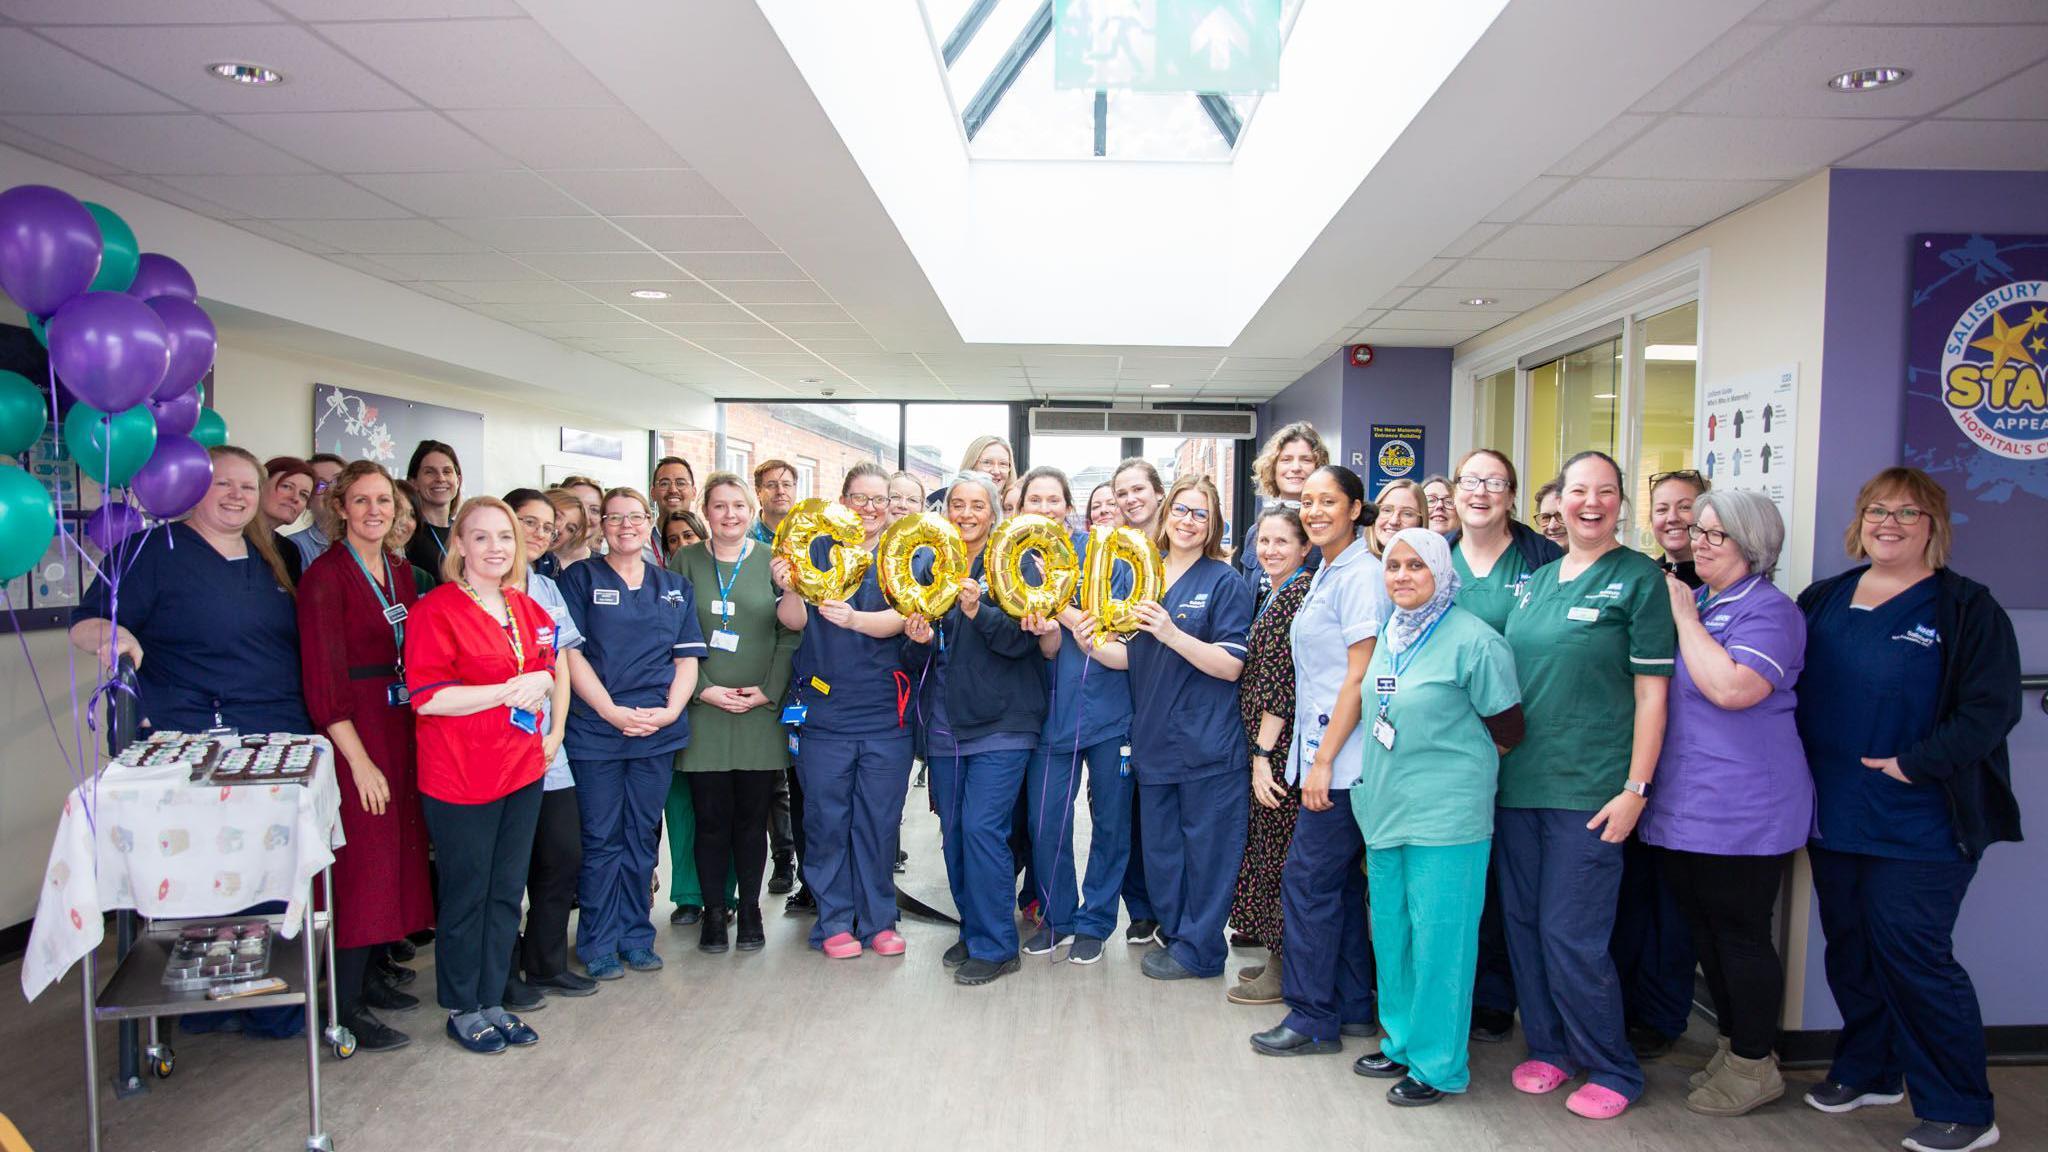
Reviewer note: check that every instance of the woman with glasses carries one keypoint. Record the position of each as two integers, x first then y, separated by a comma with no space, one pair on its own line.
1399,506
1138,495
1734,797
287,488
850,704
1439,506
1910,689
1187,739
1493,555
1594,648
989,455
1672,496
1549,517
1328,977
1279,470
906,495
982,701
633,676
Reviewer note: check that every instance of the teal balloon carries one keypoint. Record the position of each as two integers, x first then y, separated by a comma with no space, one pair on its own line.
28,522
24,413
212,431
118,251
110,450
36,329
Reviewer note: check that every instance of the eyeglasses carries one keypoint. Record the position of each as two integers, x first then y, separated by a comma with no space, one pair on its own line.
627,519
1550,517
533,525
1713,536
1437,501
1198,515
1402,515
1689,475
672,484
864,503
1494,484
1906,516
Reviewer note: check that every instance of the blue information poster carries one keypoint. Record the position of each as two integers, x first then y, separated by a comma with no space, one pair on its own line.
1396,455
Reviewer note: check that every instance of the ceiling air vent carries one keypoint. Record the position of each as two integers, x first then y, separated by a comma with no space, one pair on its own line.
1143,422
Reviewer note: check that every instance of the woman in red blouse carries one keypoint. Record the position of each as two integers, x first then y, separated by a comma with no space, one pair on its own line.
353,602
479,663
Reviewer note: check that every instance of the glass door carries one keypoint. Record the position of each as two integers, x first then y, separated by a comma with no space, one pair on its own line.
1574,404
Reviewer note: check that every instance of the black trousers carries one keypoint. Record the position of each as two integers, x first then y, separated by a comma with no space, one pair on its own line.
551,885
484,850
1728,902
786,817
732,827
350,966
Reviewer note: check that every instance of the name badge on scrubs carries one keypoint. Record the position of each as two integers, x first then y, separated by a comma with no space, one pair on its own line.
722,607
1383,731
1384,685
823,688
395,614
398,695
604,596
725,641
1582,613
525,720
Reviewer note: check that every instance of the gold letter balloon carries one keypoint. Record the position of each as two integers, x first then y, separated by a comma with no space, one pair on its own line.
1017,538
806,522
1119,614
900,544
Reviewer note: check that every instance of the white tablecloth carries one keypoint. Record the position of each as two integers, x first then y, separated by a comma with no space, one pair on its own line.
166,847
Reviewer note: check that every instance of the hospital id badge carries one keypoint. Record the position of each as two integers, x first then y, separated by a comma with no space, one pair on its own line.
397,695
794,714
721,607
525,720
1383,731
725,641
1582,613
395,614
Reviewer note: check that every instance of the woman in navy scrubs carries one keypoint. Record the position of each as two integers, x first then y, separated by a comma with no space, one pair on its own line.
206,612
983,706
633,676
1911,685
1187,740
1139,496
850,703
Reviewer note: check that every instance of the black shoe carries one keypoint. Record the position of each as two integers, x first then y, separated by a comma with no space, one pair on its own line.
421,938
1412,1093
956,955
374,1035
803,903
1360,1028
686,914
711,932
1945,1136
983,971
522,997
517,1033
1377,1066
402,951
1280,1040
1162,964
1491,1025
1240,940
484,1040
1648,1043
784,877
566,983
750,936
1142,932
383,997
393,973
902,861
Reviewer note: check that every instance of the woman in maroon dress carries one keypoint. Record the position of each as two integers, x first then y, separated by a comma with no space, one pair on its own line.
352,603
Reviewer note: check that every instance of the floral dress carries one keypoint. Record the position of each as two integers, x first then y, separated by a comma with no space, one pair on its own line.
1267,685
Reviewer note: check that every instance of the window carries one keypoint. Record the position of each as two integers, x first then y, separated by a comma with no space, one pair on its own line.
738,456
1493,412
1670,382
1087,461
1177,456
821,441
807,478
1573,402
937,435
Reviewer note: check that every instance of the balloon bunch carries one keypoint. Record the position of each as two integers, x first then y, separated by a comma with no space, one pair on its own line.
128,347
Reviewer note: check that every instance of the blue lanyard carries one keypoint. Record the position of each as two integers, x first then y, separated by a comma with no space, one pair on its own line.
1275,593
397,625
725,584
1406,659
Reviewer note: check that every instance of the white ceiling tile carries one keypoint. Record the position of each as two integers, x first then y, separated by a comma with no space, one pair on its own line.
1788,77
414,140
597,328
269,231
40,77
2021,97
1453,299
1784,10
1732,47
1427,274
1576,242
842,347
317,10
2011,145
808,332
1414,337
742,348
471,194
1462,320
173,60
438,292
739,266
680,292
772,291
1077,363
314,197
1474,236
571,137
1600,144
741,329
37,146
1687,202
668,312
576,266
474,63
645,192
1532,194
1742,147
150,186
365,265
470,266
786,355
516,291
803,314
137,11
530,312
1950,12
1503,274
547,234
697,233
162,145
371,237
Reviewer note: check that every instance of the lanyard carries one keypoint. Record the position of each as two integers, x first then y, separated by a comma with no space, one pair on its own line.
1275,593
439,545
510,625
1403,660
396,620
725,584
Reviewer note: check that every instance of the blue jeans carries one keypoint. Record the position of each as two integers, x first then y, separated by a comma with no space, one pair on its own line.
976,796
1194,842
1049,788
1328,977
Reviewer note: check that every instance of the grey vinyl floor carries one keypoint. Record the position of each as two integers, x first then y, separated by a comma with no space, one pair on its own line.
784,1049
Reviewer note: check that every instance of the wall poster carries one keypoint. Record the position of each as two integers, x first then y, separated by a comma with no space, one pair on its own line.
365,426
1747,432
1396,455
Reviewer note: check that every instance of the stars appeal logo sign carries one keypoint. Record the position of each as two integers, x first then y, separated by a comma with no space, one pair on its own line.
1397,459
1991,370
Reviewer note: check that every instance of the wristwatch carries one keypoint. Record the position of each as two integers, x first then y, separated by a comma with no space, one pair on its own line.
1263,753
1639,787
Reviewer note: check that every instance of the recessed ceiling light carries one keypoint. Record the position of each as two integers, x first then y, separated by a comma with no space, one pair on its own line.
648,294
1869,79
809,380
1162,385
1479,301
241,73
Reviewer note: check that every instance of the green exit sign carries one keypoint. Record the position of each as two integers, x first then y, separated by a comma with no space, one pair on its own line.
1167,45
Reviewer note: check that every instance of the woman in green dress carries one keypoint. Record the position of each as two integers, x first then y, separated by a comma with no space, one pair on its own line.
737,748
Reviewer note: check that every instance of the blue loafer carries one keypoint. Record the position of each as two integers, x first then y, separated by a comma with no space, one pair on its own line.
604,968
642,960
516,1032
484,1040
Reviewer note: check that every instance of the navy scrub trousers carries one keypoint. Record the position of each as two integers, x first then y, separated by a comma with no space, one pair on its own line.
1049,792
1194,834
854,783
1328,979
976,795
621,803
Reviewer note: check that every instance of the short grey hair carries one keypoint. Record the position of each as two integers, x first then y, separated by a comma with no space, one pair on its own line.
988,485
1752,524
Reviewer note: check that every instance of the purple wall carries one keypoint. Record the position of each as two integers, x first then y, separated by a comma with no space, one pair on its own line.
1871,217
1317,398
1400,386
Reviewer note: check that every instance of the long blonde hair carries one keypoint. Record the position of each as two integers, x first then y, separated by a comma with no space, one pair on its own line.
451,564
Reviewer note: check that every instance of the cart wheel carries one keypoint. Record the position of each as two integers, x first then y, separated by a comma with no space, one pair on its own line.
164,1064
345,1045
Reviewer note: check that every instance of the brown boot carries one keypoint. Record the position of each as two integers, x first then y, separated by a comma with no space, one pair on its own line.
1740,1087
1249,972
1714,1063
1265,989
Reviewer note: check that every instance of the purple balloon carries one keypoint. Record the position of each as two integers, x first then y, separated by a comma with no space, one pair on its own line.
49,247
177,416
174,479
112,523
110,349
159,275
192,340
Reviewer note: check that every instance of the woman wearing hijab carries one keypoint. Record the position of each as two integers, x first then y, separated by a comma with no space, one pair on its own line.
1443,699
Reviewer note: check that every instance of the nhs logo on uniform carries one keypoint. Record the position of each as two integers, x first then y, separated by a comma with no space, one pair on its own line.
1923,635
1200,602
672,596
1611,592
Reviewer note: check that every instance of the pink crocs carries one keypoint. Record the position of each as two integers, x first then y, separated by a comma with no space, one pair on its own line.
1596,1103
1536,1077
888,943
842,946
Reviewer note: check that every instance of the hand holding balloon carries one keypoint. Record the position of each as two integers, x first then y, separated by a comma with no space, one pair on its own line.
837,612
918,629
970,597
